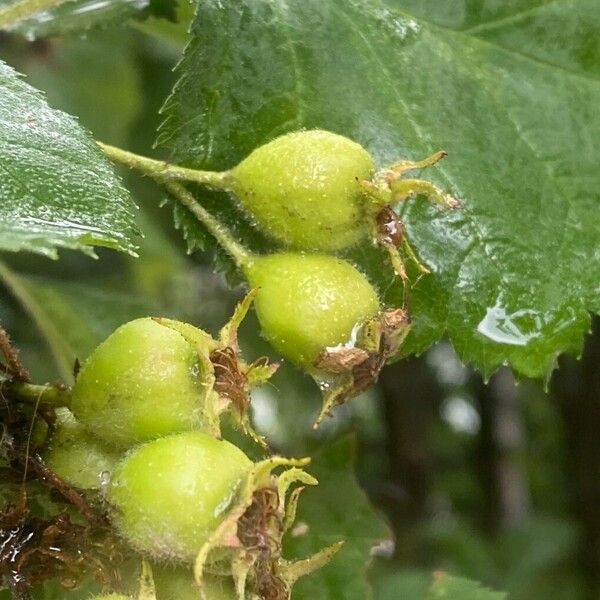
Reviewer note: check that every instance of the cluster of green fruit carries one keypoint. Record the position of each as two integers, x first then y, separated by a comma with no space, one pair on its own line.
318,193
143,422
143,430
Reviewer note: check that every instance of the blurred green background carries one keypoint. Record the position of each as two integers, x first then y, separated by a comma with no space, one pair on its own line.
499,482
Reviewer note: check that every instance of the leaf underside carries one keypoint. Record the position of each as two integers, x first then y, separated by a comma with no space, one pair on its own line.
56,188
509,90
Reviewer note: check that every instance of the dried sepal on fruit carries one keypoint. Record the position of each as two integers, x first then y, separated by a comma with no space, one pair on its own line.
386,188
156,376
348,369
247,545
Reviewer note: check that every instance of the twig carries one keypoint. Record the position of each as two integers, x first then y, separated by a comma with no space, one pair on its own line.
15,368
52,480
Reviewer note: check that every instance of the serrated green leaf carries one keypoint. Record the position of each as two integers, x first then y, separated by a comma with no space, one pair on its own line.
336,509
81,15
57,190
446,587
508,89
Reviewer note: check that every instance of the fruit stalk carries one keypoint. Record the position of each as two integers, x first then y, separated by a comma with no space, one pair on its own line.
164,171
47,394
169,176
240,254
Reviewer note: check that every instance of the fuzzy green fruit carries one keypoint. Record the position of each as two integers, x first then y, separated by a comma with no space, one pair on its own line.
171,493
302,189
308,302
177,583
143,381
75,455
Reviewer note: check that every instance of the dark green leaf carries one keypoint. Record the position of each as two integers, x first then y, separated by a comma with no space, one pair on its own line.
446,587
510,92
336,509
57,190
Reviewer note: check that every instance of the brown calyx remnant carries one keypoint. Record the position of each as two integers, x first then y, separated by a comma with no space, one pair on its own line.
354,369
230,380
259,530
390,230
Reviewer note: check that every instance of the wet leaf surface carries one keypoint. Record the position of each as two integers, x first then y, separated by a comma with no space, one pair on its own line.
508,90
56,190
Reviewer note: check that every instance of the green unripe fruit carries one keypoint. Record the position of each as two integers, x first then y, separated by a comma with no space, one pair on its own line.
76,456
112,597
308,302
178,584
171,493
142,382
302,189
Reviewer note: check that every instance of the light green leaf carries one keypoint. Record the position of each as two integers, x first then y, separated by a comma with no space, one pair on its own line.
336,509
56,190
508,89
446,587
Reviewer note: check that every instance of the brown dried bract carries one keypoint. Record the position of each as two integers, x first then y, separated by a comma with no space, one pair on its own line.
354,369
259,530
366,373
390,230
230,381
340,360
268,585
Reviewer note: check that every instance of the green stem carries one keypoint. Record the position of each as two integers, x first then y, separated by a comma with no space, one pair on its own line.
240,254
17,11
164,171
169,175
48,394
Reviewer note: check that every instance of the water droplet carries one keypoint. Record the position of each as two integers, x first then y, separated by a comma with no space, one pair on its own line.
516,328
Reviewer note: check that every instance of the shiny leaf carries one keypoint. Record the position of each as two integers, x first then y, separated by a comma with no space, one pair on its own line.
508,89
57,190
